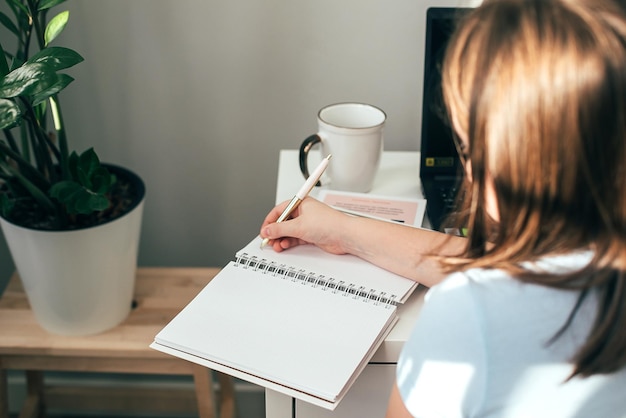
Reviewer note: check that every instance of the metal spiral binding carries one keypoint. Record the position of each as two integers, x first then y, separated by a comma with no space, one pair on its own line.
320,281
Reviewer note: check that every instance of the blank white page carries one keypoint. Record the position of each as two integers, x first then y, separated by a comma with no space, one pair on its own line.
294,334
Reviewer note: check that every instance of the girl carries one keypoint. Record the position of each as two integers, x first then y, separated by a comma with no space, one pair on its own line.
530,320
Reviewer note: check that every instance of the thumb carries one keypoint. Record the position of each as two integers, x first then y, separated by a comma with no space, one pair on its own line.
281,235
278,230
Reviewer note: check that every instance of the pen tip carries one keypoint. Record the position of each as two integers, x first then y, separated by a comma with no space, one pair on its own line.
264,242
329,156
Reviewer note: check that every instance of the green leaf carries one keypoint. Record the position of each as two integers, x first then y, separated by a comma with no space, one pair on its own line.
77,199
21,12
28,79
4,67
87,203
47,4
87,171
56,26
63,81
98,202
6,205
72,162
83,177
64,190
10,113
102,181
89,161
8,23
22,20
57,57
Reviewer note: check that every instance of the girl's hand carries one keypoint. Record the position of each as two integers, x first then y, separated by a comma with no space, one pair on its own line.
312,222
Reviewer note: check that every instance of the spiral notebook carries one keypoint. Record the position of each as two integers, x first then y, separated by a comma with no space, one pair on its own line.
302,322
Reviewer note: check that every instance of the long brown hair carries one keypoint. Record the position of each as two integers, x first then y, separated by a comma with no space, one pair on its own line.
538,88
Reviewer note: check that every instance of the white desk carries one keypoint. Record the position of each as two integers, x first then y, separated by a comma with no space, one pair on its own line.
398,176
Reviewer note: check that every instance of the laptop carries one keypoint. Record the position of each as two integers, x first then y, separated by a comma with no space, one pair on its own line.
441,171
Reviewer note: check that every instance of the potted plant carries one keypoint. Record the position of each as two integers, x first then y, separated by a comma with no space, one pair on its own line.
71,222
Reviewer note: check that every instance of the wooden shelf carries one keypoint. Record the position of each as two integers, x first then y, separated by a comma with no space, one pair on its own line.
160,293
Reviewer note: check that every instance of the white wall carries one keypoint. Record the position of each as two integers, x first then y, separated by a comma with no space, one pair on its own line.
198,97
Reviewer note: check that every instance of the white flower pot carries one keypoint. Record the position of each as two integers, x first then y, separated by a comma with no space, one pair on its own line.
78,282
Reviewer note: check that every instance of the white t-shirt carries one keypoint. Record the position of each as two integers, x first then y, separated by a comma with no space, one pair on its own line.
481,348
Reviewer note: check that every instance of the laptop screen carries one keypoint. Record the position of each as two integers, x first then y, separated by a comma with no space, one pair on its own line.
438,153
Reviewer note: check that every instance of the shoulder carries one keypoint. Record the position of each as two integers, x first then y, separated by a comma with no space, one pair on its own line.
465,290
481,287
484,323
440,372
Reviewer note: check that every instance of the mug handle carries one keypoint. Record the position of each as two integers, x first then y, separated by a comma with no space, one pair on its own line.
305,147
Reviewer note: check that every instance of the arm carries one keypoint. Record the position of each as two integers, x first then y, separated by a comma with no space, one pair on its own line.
396,407
397,248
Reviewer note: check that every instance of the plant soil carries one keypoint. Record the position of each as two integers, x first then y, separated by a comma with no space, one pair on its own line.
124,196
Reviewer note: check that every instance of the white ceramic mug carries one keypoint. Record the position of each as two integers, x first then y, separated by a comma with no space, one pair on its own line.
353,134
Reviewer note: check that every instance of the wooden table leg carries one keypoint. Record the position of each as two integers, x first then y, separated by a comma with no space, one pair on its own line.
227,395
34,405
4,394
203,381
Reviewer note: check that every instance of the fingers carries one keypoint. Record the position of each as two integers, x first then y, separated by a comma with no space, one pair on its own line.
282,230
283,235
294,231
274,213
270,229
281,244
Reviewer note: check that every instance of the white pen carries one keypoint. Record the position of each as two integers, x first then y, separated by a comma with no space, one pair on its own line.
302,193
